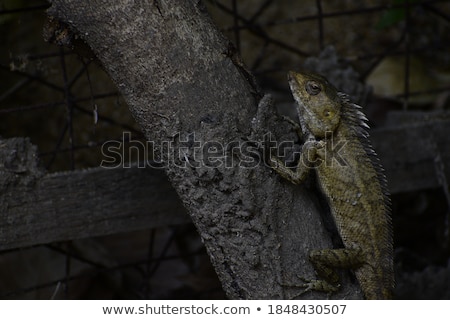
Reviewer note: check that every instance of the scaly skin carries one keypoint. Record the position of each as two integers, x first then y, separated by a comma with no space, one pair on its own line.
350,177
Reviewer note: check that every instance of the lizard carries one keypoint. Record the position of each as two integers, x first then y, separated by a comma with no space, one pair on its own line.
351,177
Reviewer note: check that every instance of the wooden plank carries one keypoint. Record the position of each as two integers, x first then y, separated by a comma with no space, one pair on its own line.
38,208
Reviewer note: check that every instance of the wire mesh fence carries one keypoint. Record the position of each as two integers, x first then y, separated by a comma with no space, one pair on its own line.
63,101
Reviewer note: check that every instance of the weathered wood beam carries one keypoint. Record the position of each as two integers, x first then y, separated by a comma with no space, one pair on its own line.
37,208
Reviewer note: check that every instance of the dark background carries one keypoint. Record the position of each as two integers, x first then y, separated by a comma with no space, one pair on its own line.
61,99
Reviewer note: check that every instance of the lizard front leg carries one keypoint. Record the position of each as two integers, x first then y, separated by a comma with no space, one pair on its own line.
309,157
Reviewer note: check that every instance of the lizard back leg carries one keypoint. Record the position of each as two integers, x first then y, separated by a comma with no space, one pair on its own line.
325,261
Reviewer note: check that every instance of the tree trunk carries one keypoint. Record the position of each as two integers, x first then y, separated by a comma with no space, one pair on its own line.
195,103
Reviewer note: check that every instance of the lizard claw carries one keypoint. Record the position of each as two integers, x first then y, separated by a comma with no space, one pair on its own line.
321,144
313,284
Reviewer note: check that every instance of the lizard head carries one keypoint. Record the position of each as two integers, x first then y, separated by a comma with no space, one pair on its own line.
318,104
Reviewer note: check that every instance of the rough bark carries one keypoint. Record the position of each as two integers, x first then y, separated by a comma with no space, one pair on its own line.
186,90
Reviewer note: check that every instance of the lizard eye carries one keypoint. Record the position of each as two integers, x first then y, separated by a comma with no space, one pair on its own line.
313,88
327,113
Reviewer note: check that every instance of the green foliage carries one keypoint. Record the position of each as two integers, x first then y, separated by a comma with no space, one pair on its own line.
394,15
